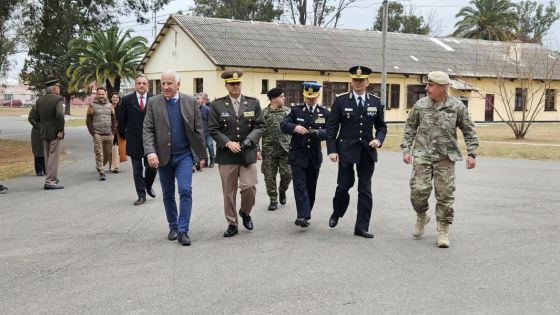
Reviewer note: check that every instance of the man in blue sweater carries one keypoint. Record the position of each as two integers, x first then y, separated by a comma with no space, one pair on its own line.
172,128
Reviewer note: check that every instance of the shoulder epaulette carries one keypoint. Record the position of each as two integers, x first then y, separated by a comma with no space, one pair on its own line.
220,98
298,105
373,95
342,94
250,97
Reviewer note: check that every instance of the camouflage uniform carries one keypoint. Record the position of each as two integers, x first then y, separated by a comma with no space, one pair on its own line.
433,129
275,147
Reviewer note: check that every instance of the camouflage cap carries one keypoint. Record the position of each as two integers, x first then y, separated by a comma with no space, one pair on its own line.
439,77
232,75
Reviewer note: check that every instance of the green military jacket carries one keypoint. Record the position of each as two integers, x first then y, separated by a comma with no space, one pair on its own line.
225,125
274,141
432,128
49,115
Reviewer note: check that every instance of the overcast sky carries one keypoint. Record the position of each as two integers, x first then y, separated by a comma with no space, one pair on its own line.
361,16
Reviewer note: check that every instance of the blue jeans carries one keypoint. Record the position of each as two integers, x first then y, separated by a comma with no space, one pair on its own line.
179,167
210,146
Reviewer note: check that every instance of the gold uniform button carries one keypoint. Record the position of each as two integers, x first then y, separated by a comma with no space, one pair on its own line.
361,124
309,146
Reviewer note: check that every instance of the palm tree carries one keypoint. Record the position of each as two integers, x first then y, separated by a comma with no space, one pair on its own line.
104,56
487,19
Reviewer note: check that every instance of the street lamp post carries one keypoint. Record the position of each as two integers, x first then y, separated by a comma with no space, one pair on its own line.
383,64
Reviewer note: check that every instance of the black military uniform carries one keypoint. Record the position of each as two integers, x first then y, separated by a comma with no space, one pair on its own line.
305,155
349,133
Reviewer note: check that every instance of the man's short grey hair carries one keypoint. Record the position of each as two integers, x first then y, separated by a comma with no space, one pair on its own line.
173,73
197,95
205,95
50,89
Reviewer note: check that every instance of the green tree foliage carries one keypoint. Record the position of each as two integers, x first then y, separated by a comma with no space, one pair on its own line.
52,24
106,57
247,10
400,22
487,19
535,20
10,33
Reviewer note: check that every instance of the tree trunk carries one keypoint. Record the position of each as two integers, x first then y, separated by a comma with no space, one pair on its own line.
68,104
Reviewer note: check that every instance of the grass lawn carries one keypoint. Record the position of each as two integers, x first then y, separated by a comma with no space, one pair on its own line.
497,140
16,159
79,111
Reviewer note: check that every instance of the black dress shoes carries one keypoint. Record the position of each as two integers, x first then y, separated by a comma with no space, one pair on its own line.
231,231
247,221
150,191
172,234
333,221
273,205
52,186
282,197
183,239
302,222
140,201
363,233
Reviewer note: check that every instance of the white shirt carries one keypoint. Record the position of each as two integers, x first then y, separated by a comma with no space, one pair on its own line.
363,96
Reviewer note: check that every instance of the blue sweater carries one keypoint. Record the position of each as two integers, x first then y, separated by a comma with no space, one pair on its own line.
179,140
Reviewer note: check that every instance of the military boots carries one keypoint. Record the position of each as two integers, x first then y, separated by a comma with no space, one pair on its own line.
421,221
442,240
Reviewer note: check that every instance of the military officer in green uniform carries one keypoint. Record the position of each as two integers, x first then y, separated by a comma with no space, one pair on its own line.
236,123
275,147
49,114
432,127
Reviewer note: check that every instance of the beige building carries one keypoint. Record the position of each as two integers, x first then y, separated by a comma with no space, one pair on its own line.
488,76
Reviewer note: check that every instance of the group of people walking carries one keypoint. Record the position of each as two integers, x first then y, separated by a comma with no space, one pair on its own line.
171,132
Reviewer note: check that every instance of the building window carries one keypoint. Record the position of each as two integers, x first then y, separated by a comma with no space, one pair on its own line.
393,94
331,90
414,93
293,90
7,97
550,100
520,99
264,86
198,85
154,86
465,101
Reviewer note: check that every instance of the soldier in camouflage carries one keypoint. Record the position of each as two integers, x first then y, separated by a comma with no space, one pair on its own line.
275,147
432,127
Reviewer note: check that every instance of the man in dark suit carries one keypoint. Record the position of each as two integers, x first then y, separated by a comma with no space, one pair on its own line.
172,128
350,141
307,125
49,114
236,123
131,119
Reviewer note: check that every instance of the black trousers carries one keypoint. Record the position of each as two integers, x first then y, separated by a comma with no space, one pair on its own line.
304,180
40,166
345,181
142,180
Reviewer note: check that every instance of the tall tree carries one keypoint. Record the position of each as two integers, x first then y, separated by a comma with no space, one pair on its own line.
400,22
487,19
246,10
106,57
10,33
54,23
535,20
317,12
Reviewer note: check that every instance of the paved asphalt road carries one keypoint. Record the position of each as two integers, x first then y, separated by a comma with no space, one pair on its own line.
87,249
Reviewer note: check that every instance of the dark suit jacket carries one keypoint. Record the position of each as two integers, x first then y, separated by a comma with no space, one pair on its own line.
350,129
305,149
157,136
131,122
225,125
49,115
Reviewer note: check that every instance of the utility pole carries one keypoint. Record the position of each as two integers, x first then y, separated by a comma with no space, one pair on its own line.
154,17
383,55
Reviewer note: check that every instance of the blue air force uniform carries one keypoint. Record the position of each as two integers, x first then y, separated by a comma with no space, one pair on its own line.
305,155
349,132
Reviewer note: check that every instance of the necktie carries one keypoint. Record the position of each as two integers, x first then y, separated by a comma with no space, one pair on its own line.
360,104
310,109
172,101
236,106
141,102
